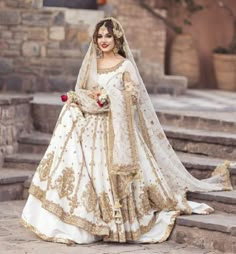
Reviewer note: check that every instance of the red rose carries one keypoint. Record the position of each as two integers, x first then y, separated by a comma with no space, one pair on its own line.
100,104
64,98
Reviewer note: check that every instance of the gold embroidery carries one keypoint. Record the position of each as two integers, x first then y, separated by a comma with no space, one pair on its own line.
43,236
45,166
160,182
92,163
157,201
160,135
143,203
56,209
130,87
118,169
63,150
105,207
89,198
144,130
74,203
113,68
64,184
223,170
169,227
124,236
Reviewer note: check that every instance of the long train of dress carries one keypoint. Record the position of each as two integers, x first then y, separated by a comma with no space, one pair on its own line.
72,192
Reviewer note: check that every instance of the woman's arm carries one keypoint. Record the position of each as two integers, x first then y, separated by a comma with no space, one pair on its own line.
131,83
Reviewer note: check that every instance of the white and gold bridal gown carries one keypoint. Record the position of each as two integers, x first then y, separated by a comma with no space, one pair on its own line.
78,196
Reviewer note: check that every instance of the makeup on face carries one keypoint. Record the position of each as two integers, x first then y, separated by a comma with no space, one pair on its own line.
105,40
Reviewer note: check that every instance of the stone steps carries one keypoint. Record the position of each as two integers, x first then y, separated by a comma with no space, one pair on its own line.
219,122
199,166
26,161
224,201
35,142
194,119
216,231
213,143
11,183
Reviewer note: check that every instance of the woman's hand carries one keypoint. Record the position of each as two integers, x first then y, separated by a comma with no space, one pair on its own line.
94,93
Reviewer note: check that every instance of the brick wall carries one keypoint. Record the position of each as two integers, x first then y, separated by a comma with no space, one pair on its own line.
42,48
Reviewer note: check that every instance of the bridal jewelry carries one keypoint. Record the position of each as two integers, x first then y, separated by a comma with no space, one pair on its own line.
115,50
117,32
103,27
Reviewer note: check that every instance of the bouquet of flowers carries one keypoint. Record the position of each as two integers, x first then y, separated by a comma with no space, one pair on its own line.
102,98
71,95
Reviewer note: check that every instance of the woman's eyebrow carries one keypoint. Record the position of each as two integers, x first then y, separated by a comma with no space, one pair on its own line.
104,34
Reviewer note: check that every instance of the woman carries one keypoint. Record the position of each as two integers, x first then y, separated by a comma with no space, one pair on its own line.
109,172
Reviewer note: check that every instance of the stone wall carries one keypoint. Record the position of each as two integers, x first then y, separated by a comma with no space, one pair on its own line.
42,47
15,118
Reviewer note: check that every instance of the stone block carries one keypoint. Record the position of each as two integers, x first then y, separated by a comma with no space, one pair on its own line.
9,17
37,3
15,47
59,19
64,53
43,51
39,18
72,66
31,49
3,46
20,35
6,34
37,34
6,65
77,17
14,83
11,192
29,84
11,52
53,45
61,83
57,33
18,4
175,85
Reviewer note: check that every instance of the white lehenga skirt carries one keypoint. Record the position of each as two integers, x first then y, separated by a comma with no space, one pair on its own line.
71,196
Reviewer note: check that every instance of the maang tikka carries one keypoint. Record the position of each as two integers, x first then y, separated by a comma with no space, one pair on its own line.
103,28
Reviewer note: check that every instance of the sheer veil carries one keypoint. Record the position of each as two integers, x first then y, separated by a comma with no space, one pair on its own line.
178,178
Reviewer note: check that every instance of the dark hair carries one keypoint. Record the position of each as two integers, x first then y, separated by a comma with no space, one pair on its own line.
118,41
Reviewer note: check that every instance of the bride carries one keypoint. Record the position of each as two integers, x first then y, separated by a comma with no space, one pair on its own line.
109,172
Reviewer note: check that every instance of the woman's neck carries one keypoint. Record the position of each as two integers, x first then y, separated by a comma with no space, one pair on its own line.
108,55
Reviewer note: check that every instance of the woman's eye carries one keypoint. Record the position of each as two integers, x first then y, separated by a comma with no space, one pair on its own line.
109,36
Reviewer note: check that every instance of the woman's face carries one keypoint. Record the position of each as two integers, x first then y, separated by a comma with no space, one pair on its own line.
105,40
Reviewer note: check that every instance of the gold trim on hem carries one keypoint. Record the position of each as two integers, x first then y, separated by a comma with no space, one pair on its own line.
43,236
65,216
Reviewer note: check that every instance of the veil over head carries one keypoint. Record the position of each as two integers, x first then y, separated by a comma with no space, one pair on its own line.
178,178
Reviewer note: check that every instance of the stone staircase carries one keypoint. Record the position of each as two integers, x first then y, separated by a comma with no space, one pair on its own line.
200,143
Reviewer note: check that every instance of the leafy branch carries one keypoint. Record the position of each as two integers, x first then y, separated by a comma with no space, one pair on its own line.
189,5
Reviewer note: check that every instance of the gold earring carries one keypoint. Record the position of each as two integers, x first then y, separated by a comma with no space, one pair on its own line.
115,50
